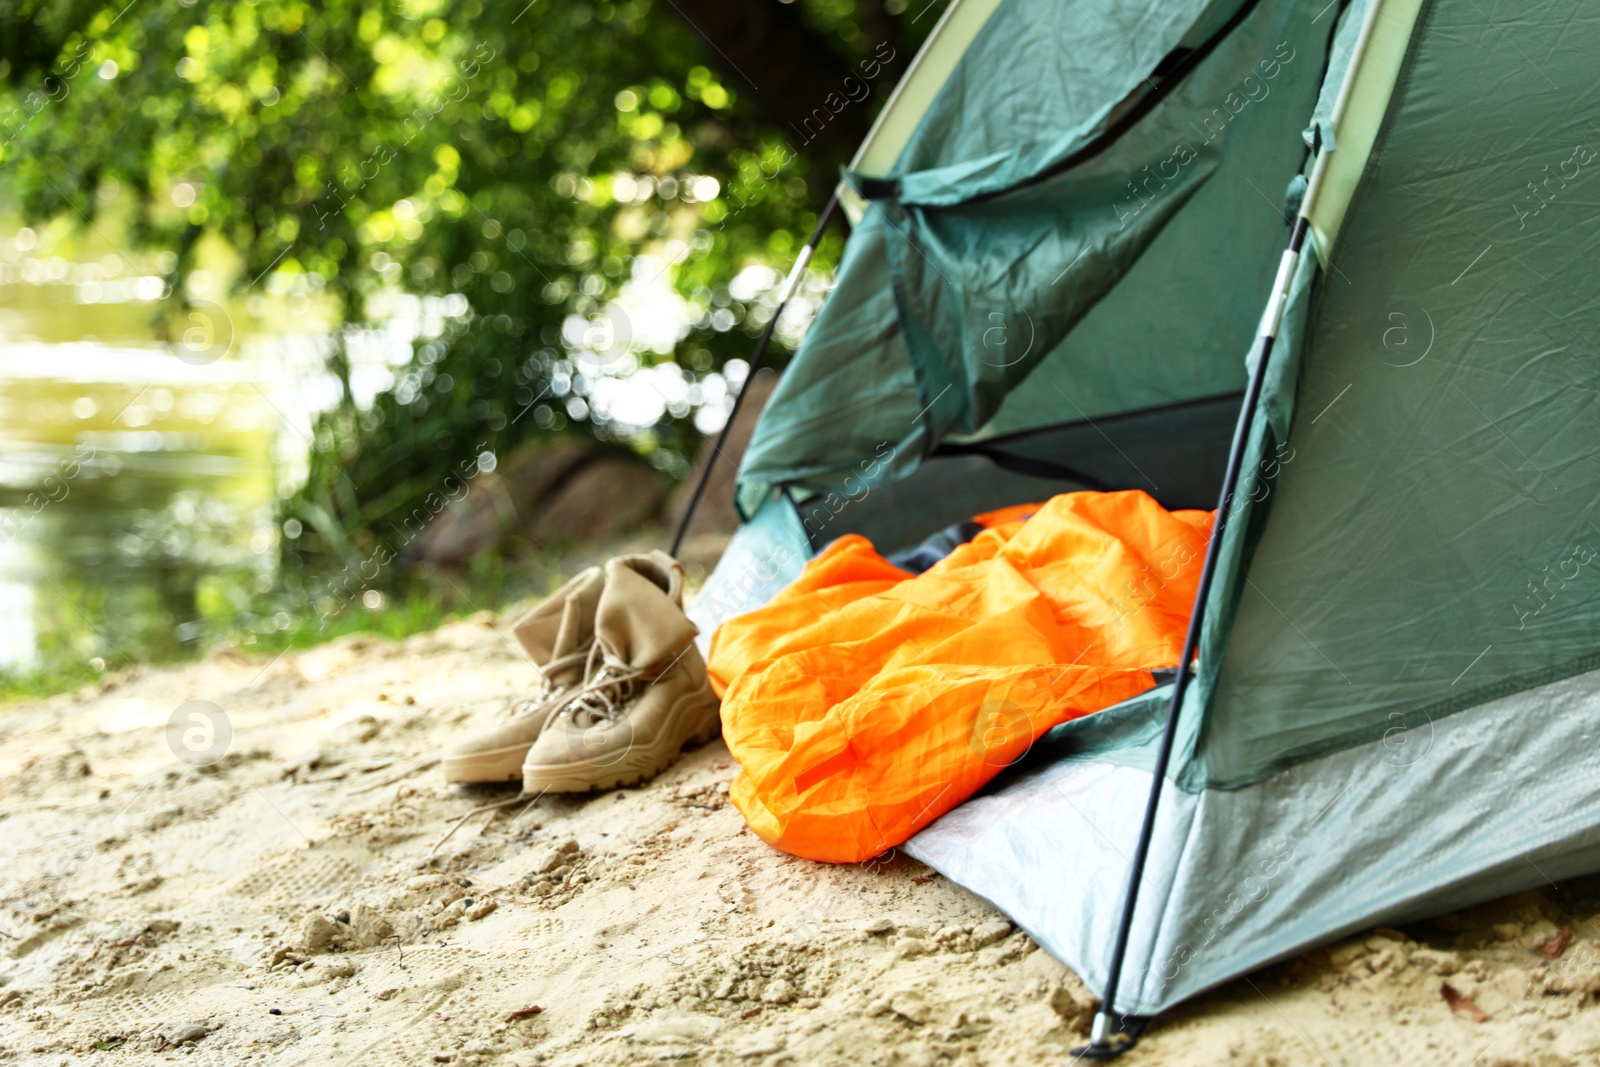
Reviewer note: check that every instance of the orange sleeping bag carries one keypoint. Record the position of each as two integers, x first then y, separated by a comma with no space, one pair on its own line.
864,702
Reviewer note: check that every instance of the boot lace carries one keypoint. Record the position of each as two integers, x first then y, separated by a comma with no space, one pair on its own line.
548,690
609,685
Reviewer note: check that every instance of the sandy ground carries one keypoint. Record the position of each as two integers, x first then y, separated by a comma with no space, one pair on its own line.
279,906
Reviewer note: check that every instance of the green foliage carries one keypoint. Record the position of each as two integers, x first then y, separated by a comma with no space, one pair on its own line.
90,628
417,611
520,157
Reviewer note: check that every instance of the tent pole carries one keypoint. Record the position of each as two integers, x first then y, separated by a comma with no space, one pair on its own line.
1371,75
757,358
1111,1035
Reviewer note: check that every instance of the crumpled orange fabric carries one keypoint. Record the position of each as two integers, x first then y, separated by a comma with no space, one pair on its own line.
863,702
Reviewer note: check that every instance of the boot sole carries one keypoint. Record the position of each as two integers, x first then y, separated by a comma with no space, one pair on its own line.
489,766
638,765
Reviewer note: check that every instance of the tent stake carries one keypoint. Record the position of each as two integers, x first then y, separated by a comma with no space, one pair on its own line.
1114,1034
757,358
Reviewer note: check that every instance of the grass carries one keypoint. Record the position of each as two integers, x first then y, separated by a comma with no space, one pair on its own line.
416,614
47,681
490,582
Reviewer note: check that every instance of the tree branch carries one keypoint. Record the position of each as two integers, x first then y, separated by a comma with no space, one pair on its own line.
790,73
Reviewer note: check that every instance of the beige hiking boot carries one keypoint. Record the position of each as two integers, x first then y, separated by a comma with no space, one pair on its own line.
645,692
557,636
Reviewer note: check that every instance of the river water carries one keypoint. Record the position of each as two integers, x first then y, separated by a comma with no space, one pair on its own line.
141,452
139,459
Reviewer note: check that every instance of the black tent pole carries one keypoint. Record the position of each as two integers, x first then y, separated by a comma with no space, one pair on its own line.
757,358
1112,1035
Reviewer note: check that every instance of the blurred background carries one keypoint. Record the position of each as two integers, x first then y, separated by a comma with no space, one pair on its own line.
359,314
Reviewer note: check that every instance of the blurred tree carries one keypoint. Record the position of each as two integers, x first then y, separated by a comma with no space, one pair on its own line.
527,163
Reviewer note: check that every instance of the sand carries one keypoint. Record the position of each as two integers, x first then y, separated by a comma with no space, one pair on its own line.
279,906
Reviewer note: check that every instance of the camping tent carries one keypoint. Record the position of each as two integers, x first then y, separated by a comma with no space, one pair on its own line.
1067,269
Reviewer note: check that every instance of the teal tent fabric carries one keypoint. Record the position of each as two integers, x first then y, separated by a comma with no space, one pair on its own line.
1438,488
1400,658
1319,131
965,299
851,395
1433,539
1049,79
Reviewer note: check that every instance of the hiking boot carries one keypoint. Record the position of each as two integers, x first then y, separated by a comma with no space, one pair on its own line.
557,636
645,693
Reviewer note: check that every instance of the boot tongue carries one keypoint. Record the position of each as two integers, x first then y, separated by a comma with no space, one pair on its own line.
558,633
570,649
638,622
